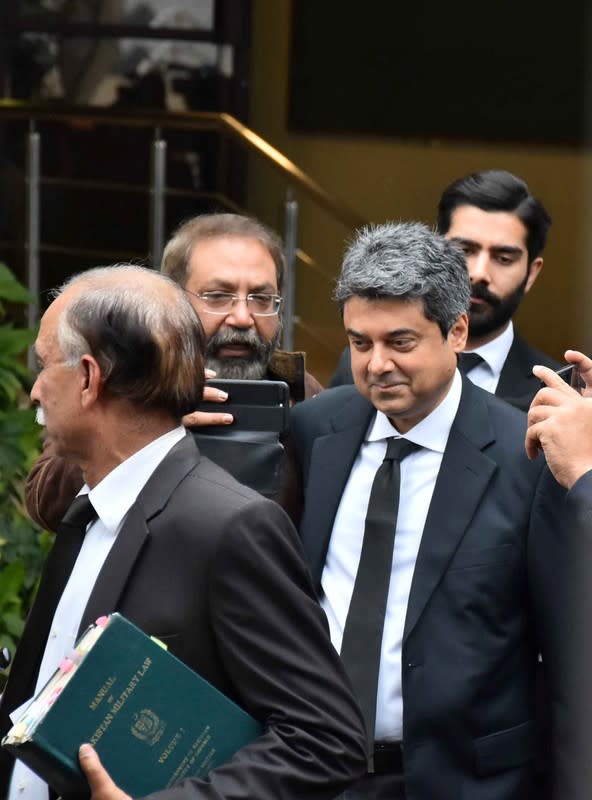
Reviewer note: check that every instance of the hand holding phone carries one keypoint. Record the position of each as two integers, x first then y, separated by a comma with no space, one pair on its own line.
218,413
560,420
251,449
571,375
255,405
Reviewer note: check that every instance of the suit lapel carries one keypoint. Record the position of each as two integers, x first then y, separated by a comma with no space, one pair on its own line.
517,385
113,577
464,475
331,461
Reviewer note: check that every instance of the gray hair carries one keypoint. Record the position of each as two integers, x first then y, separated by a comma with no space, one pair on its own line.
147,339
177,253
406,261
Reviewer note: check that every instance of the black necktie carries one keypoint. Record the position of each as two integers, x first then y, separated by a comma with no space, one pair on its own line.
362,635
466,361
79,514
57,569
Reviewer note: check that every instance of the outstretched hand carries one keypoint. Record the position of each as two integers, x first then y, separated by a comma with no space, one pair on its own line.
101,785
560,422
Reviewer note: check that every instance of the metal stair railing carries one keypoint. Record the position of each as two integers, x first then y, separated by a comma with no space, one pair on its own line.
219,122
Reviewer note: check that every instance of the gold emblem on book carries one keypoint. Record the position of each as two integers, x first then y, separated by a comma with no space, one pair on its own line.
148,727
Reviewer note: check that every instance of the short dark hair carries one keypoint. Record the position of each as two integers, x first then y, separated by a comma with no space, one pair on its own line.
177,253
407,261
498,190
141,328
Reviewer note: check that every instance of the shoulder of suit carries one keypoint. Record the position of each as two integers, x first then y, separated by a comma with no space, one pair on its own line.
500,411
504,409
205,476
341,407
532,355
327,400
216,476
212,495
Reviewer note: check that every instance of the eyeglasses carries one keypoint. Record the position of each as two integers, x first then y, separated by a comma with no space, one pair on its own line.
259,304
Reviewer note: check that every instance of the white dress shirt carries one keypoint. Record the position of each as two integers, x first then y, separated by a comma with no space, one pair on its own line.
418,478
112,498
494,355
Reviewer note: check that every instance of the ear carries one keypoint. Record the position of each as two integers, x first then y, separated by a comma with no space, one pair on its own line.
533,273
90,380
457,335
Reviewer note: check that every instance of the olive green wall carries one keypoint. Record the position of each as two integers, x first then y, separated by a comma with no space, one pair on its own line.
385,178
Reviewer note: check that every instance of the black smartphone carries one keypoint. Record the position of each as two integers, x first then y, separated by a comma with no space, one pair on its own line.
571,375
255,405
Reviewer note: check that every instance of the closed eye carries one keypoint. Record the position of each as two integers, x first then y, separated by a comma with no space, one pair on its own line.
402,344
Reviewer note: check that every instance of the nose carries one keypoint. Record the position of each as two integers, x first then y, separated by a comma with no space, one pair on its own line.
240,316
478,266
34,393
380,361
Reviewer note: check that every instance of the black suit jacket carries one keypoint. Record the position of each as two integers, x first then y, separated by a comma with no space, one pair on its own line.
216,571
482,600
578,510
517,385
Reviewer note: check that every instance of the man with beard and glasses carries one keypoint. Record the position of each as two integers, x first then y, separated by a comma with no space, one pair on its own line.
502,230
233,269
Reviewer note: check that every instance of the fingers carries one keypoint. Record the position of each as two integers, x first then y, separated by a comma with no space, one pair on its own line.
101,785
531,443
548,377
552,395
584,364
576,357
198,419
556,391
213,395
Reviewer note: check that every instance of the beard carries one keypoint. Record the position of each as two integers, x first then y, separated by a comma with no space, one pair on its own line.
496,312
252,367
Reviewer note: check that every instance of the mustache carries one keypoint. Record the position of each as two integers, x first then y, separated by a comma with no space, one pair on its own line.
481,292
39,415
223,338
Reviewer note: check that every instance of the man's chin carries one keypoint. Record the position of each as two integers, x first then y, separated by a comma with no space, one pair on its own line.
237,368
482,322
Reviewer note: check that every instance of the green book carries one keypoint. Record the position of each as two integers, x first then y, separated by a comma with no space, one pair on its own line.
152,720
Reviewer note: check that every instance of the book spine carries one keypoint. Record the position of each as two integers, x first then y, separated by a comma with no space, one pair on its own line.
58,770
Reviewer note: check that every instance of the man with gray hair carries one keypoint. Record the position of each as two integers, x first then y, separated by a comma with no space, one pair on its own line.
433,551
175,544
502,230
233,268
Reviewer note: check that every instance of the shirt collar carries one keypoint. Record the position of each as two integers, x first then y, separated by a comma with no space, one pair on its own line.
113,497
432,432
495,353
